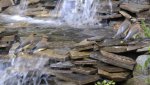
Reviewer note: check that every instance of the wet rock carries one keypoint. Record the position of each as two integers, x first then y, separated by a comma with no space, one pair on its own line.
33,1
110,68
6,43
78,55
8,33
33,61
144,49
138,80
133,7
61,44
125,14
117,60
122,76
50,4
96,38
120,49
84,70
114,59
18,25
2,29
111,16
144,14
6,3
61,82
12,10
62,65
85,62
37,12
4,64
105,7
142,66
56,71
79,79
52,55
115,49
112,42
85,45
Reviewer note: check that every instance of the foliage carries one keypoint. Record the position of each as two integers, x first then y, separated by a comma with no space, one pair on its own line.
146,29
147,62
105,83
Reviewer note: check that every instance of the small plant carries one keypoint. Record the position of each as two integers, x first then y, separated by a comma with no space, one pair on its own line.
146,29
105,82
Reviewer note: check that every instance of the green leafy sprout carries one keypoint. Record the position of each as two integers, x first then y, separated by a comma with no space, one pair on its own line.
146,29
105,82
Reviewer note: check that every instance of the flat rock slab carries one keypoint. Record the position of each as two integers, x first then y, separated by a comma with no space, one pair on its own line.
114,76
56,71
53,55
120,49
134,8
84,70
78,55
104,7
115,49
84,45
113,59
112,42
5,3
112,16
60,82
85,62
79,79
110,68
96,38
62,65
117,60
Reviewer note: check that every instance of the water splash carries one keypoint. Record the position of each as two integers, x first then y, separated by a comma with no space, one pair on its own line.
72,13
22,7
80,13
25,71
110,5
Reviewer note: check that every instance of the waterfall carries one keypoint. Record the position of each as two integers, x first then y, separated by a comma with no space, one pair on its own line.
80,13
22,7
72,13
110,5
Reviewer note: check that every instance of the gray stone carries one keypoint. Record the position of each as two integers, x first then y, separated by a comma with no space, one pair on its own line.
143,65
133,7
64,65
139,80
77,78
121,76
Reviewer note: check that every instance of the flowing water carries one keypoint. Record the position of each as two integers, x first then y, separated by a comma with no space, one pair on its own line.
73,13
22,7
110,5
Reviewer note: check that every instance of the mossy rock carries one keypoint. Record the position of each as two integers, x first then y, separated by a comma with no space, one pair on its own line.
139,80
142,66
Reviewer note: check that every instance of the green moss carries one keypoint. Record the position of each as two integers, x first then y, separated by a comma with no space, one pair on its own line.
147,80
105,82
146,29
147,62
138,67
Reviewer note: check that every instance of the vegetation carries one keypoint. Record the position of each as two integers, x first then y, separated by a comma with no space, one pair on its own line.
105,83
146,29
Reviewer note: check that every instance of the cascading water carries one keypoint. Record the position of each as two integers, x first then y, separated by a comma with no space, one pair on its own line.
110,5
73,13
80,13
22,7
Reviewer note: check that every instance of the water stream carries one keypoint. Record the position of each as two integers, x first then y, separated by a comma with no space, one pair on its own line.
73,13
